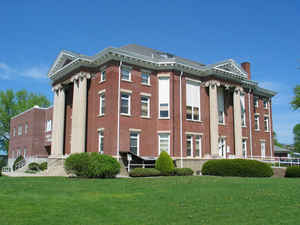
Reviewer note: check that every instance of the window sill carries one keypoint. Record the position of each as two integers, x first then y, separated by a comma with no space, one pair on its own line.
101,81
100,115
123,114
244,126
148,85
197,121
257,130
145,117
222,124
129,81
267,131
163,118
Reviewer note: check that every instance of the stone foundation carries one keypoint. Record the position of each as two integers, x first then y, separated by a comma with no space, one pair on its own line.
194,164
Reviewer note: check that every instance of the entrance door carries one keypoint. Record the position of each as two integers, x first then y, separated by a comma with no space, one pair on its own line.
222,147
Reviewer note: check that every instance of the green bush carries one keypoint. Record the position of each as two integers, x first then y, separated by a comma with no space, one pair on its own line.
144,172
92,165
237,168
43,166
34,166
292,171
77,164
164,164
183,172
18,159
102,166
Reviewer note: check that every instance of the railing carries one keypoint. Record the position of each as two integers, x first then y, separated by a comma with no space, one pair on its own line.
20,164
135,165
278,161
6,169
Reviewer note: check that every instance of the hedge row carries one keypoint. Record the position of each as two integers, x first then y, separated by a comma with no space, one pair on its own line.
37,167
237,168
151,172
292,171
92,165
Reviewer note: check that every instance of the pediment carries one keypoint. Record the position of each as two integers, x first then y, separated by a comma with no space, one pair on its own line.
231,66
62,59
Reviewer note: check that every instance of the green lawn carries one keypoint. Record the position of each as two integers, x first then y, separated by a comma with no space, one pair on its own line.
166,200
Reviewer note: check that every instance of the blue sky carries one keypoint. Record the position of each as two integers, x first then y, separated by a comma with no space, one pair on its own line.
265,33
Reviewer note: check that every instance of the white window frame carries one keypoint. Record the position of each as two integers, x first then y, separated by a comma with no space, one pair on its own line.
137,141
244,147
101,99
148,106
256,119
221,144
14,131
100,140
189,137
160,138
161,103
20,130
24,153
102,75
148,80
219,111
48,125
129,103
263,143
266,122
127,68
198,138
26,128
266,104
193,82
256,102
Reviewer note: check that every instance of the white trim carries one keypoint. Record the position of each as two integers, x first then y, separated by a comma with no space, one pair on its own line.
135,130
163,75
127,91
163,132
250,123
100,135
119,99
192,146
34,107
148,106
129,103
145,94
101,92
193,80
100,129
159,137
101,98
138,141
194,133
180,93
129,75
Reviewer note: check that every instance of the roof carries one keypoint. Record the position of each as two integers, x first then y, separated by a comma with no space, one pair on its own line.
278,149
34,107
152,59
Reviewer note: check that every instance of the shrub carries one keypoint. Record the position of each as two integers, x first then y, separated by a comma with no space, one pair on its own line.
292,171
237,168
77,164
34,166
18,159
43,166
102,166
164,164
183,172
92,165
144,172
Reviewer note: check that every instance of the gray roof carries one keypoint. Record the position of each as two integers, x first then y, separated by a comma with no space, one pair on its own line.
279,149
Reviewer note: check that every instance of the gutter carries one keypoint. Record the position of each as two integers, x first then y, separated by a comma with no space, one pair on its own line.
180,92
118,128
250,124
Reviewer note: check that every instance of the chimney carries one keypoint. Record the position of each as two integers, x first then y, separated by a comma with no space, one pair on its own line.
246,67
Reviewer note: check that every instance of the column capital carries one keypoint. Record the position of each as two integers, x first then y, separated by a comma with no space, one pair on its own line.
80,76
57,87
238,90
212,83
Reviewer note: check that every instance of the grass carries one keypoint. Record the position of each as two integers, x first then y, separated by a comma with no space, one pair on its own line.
165,200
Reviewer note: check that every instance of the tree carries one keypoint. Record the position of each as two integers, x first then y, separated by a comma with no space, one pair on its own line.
276,142
296,132
295,103
12,104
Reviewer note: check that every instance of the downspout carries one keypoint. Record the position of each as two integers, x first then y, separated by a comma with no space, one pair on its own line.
118,129
250,123
180,111
270,129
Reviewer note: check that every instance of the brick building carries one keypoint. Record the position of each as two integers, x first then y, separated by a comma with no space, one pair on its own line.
142,101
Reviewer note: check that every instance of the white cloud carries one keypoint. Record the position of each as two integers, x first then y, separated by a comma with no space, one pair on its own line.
35,72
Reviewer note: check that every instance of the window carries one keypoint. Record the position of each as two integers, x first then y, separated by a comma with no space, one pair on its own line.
101,141
126,73
145,78
265,103
256,122
125,103
19,130
145,106
222,147
102,105
134,142
243,110
164,97
255,102
198,152
103,76
24,153
164,143
263,149
221,107
189,146
48,125
26,128
14,132
266,123
244,148
19,152
192,100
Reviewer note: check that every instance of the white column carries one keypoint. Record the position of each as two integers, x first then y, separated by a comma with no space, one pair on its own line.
57,144
237,122
79,115
213,110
